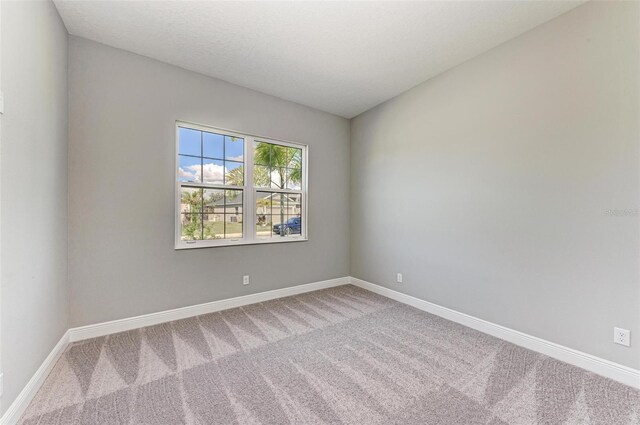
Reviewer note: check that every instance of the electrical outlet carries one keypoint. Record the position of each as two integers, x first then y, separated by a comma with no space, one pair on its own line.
1,384
622,336
245,280
399,278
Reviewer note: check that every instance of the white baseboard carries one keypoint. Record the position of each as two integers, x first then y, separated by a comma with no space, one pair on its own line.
121,325
606,368
20,404
620,373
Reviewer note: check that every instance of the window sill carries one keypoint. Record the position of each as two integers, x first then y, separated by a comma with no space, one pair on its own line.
218,244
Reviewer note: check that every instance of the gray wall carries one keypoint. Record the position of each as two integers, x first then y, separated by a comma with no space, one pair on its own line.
122,263
491,186
33,163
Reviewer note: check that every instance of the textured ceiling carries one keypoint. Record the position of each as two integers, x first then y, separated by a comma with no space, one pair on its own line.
339,57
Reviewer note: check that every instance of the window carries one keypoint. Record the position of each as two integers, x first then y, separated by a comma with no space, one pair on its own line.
234,189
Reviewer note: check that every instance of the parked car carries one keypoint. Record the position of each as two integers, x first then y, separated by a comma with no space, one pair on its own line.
292,226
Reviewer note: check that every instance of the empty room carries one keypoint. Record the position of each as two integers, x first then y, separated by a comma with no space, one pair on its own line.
319,212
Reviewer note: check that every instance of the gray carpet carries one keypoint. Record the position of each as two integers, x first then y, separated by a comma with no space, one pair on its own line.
336,356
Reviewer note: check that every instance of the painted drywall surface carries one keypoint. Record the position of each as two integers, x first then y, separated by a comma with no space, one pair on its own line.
507,188
34,189
122,261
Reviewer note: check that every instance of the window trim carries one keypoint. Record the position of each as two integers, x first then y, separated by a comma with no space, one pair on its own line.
249,191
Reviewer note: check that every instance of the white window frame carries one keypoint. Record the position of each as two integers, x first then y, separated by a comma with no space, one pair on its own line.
249,192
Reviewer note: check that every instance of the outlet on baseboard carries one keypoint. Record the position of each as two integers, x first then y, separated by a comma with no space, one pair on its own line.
399,278
622,336
245,279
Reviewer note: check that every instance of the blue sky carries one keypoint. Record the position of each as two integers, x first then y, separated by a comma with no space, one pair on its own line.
214,146
217,153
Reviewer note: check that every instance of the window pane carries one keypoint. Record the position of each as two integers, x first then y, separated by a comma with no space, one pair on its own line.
277,219
277,206
213,145
188,169
233,148
223,226
263,226
262,153
189,142
285,166
294,225
294,158
191,227
234,173
213,170
233,226
278,214
294,177
213,201
190,200
233,202
261,176
278,178
222,216
278,156
214,226
294,204
279,224
263,203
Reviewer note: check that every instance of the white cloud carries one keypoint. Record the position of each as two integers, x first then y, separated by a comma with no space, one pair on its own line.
186,175
213,173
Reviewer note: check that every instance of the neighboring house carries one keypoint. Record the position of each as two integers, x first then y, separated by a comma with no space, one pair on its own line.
269,209
232,211
273,209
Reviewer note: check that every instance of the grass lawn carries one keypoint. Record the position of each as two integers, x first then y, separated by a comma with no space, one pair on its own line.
218,228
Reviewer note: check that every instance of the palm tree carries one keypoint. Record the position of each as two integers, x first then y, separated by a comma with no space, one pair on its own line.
295,164
235,177
274,157
270,158
279,159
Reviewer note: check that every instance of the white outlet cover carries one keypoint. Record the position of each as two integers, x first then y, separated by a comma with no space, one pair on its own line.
399,278
622,336
245,280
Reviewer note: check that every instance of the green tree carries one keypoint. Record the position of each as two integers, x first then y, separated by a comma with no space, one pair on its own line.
192,223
